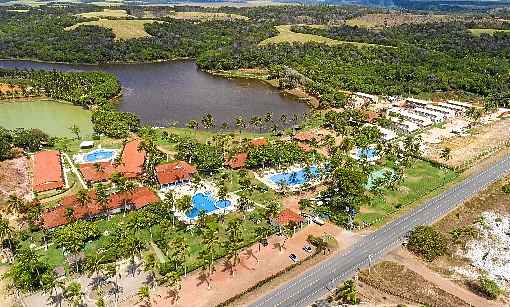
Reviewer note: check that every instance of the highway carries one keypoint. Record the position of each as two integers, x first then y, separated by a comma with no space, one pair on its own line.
314,283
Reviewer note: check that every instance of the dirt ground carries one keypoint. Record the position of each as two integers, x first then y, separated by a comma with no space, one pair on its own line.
15,178
6,88
465,150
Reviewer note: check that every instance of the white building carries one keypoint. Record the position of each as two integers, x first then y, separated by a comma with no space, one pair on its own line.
404,126
417,102
435,116
409,116
458,110
388,134
372,98
460,104
445,111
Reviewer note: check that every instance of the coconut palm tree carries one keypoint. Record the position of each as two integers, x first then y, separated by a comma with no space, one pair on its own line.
184,204
5,230
73,294
103,198
234,241
144,295
240,123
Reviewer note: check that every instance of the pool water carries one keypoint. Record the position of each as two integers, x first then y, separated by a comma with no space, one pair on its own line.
294,178
99,155
366,153
205,202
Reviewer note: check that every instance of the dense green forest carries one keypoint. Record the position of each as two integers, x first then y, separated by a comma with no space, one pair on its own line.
80,88
415,59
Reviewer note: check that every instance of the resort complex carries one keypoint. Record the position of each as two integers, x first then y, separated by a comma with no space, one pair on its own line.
250,154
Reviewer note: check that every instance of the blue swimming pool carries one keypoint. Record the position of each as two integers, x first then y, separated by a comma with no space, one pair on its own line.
99,155
205,202
294,178
366,153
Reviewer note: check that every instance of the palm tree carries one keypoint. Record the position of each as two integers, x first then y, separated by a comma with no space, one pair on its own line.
240,123
210,240
15,204
234,241
144,295
103,198
184,204
5,230
262,233
73,294
75,130
272,210
83,198
208,121
446,153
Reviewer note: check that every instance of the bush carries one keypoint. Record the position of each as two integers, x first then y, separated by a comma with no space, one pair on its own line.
489,287
427,242
506,188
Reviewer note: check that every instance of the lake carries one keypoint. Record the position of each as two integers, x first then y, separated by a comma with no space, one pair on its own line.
50,116
162,94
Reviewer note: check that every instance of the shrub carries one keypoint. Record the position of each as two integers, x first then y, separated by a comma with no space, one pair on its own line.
506,188
489,287
427,242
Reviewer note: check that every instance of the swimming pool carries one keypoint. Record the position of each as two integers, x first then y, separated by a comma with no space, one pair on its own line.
294,178
205,202
366,153
99,155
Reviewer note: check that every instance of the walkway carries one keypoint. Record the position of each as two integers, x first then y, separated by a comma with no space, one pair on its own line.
75,171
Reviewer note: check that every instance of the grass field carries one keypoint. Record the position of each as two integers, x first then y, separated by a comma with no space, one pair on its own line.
420,179
394,19
478,32
106,13
123,29
287,36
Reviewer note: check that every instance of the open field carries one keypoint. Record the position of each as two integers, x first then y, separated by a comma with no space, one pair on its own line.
205,16
106,13
287,36
465,150
478,32
419,180
123,29
14,179
394,19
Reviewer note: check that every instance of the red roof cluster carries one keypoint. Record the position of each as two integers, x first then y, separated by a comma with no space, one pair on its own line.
237,161
169,173
287,216
259,142
304,147
131,165
372,116
47,171
139,198
305,136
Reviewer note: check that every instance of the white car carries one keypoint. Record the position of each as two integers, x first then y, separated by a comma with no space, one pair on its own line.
317,220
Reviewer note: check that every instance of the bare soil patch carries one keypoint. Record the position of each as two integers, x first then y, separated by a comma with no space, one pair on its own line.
15,179
9,88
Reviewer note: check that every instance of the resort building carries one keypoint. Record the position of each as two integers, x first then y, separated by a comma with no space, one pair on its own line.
417,102
47,171
117,202
435,116
463,105
447,113
288,216
458,110
305,136
368,97
237,161
259,142
404,126
412,117
96,172
305,147
132,160
170,174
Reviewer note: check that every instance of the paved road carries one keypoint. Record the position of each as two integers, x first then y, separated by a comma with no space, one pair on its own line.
314,283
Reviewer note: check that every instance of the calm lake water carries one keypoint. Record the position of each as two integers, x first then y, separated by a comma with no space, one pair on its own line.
176,92
52,117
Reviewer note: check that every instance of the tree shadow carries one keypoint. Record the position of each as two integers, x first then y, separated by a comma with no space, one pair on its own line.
56,299
203,277
150,281
173,294
227,266
249,252
97,281
133,268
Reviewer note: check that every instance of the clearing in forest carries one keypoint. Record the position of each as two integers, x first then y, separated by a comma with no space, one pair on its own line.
395,19
287,36
106,13
205,16
478,32
123,29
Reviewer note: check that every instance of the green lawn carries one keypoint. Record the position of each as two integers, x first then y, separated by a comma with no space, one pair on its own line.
478,32
420,179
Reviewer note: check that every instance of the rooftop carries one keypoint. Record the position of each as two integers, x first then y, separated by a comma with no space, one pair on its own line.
47,171
305,136
169,173
237,161
132,160
97,172
259,142
287,216
139,198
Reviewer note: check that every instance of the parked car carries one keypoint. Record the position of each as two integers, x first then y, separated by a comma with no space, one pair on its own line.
294,258
307,248
317,220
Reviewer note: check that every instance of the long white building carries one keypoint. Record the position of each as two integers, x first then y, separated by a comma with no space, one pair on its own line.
464,105
412,117
458,110
445,111
435,116
417,102
404,126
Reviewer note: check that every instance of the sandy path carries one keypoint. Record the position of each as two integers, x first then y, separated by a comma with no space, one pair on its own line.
406,258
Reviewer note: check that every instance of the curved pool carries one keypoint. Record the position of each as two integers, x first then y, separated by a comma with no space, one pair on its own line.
205,202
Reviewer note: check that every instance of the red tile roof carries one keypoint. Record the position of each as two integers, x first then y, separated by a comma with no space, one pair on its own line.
259,142
372,116
305,136
305,147
132,160
287,216
169,173
91,174
139,198
237,161
47,171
